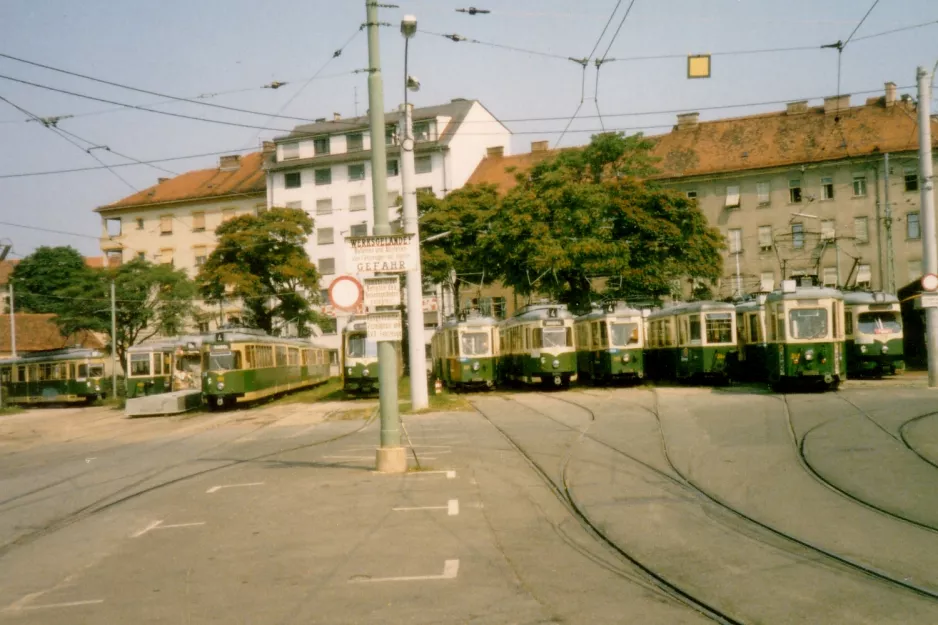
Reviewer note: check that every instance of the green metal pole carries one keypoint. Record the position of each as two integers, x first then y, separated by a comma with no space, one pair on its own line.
387,355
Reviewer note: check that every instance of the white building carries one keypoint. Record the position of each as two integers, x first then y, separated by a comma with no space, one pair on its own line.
324,168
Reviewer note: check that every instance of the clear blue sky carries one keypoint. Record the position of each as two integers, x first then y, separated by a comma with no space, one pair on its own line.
192,47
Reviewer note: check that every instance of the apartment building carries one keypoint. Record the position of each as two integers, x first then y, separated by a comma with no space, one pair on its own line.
174,221
324,168
802,191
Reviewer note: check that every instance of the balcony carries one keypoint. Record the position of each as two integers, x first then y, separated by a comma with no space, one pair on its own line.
110,244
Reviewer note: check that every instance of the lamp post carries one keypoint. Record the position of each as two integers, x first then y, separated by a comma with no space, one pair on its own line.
416,347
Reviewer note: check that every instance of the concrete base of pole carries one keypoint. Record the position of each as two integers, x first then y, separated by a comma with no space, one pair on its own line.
391,460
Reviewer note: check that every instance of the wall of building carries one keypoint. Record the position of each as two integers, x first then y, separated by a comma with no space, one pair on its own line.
478,132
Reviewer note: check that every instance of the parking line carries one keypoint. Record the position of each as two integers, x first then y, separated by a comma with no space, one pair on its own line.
451,507
68,604
450,570
449,474
215,489
158,525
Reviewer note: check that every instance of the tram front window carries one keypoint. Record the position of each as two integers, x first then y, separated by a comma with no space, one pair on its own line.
624,334
224,361
139,365
719,328
474,344
555,337
808,323
880,322
358,346
96,371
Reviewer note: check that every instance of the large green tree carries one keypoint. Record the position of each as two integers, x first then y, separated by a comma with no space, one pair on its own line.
590,213
150,300
38,277
262,261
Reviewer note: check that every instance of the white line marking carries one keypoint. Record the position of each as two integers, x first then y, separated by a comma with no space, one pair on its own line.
450,570
68,604
158,525
449,474
215,489
349,457
166,527
149,527
88,460
420,508
453,507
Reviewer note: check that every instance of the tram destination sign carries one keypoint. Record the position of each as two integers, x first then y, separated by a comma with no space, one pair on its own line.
385,326
382,291
394,253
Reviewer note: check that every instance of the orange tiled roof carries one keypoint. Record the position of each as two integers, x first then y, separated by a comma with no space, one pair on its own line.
757,142
38,332
249,177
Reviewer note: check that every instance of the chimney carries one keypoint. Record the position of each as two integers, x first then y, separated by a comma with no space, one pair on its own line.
336,117
268,147
496,151
836,103
687,120
539,146
797,108
229,163
890,94
161,180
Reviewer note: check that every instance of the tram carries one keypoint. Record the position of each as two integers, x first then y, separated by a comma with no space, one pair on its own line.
69,375
359,359
610,344
750,335
536,346
170,364
242,364
692,340
874,337
805,336
464,352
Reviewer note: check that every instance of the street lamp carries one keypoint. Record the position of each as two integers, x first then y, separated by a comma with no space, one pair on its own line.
419,396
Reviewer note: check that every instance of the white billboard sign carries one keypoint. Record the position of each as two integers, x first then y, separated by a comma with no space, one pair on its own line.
393,253
383,291
385,326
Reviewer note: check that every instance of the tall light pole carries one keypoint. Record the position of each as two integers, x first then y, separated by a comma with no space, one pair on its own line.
929,244
419,396
113,341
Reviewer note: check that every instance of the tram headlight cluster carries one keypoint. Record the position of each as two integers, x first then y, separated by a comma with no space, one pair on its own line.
809,354
626,358
220,386
350,371
475,366
556,363
885,348
365,372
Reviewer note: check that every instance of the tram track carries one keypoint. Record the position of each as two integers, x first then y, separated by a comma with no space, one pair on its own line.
905,438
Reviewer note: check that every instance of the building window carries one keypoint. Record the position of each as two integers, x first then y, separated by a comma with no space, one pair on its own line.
298,205
324,206
421,131
859,185
166,224
139,223
735,240
393,168
766,281
390,134
359,230
762,193
321,145
198,222
424,190
423,165
227,214
290,151
356,171
394,198
323,176
913,229
828,230
356,203
911,179
141,255
861,229
200,255
692,194
827,188
732,196
354,142
292,180
864,275
324,236
797,236
765,237
829,277
794,191
327,266
166,256
915,270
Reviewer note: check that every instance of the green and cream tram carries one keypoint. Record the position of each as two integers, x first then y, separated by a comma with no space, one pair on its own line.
536,346
750,335
359,360
692,340
805,336
69,375
464,352
873,328
242,365
170,364
610,344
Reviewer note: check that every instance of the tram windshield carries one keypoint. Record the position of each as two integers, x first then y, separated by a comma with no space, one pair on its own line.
808,323
719,327
96,371
624,334
358,346
879,322
139,364
474,344
223,361
555,337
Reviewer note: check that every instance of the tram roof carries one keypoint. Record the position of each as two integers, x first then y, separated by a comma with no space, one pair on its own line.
475,321
250,335
869,297
689,307
805,292
535,312
620,310
169,342
68,353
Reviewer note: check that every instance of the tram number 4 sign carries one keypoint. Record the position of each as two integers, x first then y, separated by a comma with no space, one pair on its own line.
385,326
395,253
383,291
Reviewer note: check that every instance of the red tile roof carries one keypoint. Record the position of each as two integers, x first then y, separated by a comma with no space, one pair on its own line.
38,332
248,178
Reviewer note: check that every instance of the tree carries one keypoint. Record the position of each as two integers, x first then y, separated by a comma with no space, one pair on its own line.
588,214
150,300
460,219
262,261
40,275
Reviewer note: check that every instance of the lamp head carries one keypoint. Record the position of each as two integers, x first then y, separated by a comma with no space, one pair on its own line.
409,26
413,83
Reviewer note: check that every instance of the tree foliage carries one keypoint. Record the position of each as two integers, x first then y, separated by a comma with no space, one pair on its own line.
588,214
262,261
150,300
38,277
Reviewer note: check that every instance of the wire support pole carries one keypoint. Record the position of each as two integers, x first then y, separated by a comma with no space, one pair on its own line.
929,242
113,340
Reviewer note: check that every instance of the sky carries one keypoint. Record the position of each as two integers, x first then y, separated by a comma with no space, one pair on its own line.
225,51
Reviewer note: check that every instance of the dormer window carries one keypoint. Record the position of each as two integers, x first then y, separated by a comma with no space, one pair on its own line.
290,151
354,142
422,131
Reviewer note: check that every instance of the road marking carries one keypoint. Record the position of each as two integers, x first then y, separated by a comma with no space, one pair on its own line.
68,604
452,508
349,457
158,525
149,527
88,460
450,570
215,489
449,474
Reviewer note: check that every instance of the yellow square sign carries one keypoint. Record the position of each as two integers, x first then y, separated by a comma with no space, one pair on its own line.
698,66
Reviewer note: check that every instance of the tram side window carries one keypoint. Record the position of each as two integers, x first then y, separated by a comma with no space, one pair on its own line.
808,323
603,334
535,338
5,375
249,359
281,354
848,322
719,327
754,328
780,326
695,330
83,370
293,356
139,365
835,321
667,333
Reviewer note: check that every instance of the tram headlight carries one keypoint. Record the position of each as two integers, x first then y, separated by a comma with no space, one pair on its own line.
556,363
220,386
350,371
863,349
885,348
475,366
626,358
365,372
809,354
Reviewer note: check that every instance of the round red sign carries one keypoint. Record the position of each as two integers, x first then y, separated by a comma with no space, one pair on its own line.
346,293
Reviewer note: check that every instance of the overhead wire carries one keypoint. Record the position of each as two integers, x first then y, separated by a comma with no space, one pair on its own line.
457,38
116,153
599,61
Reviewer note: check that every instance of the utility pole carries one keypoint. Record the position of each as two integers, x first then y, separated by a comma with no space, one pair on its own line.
390,456
837,258
890,285
12,322
113,342
929,243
